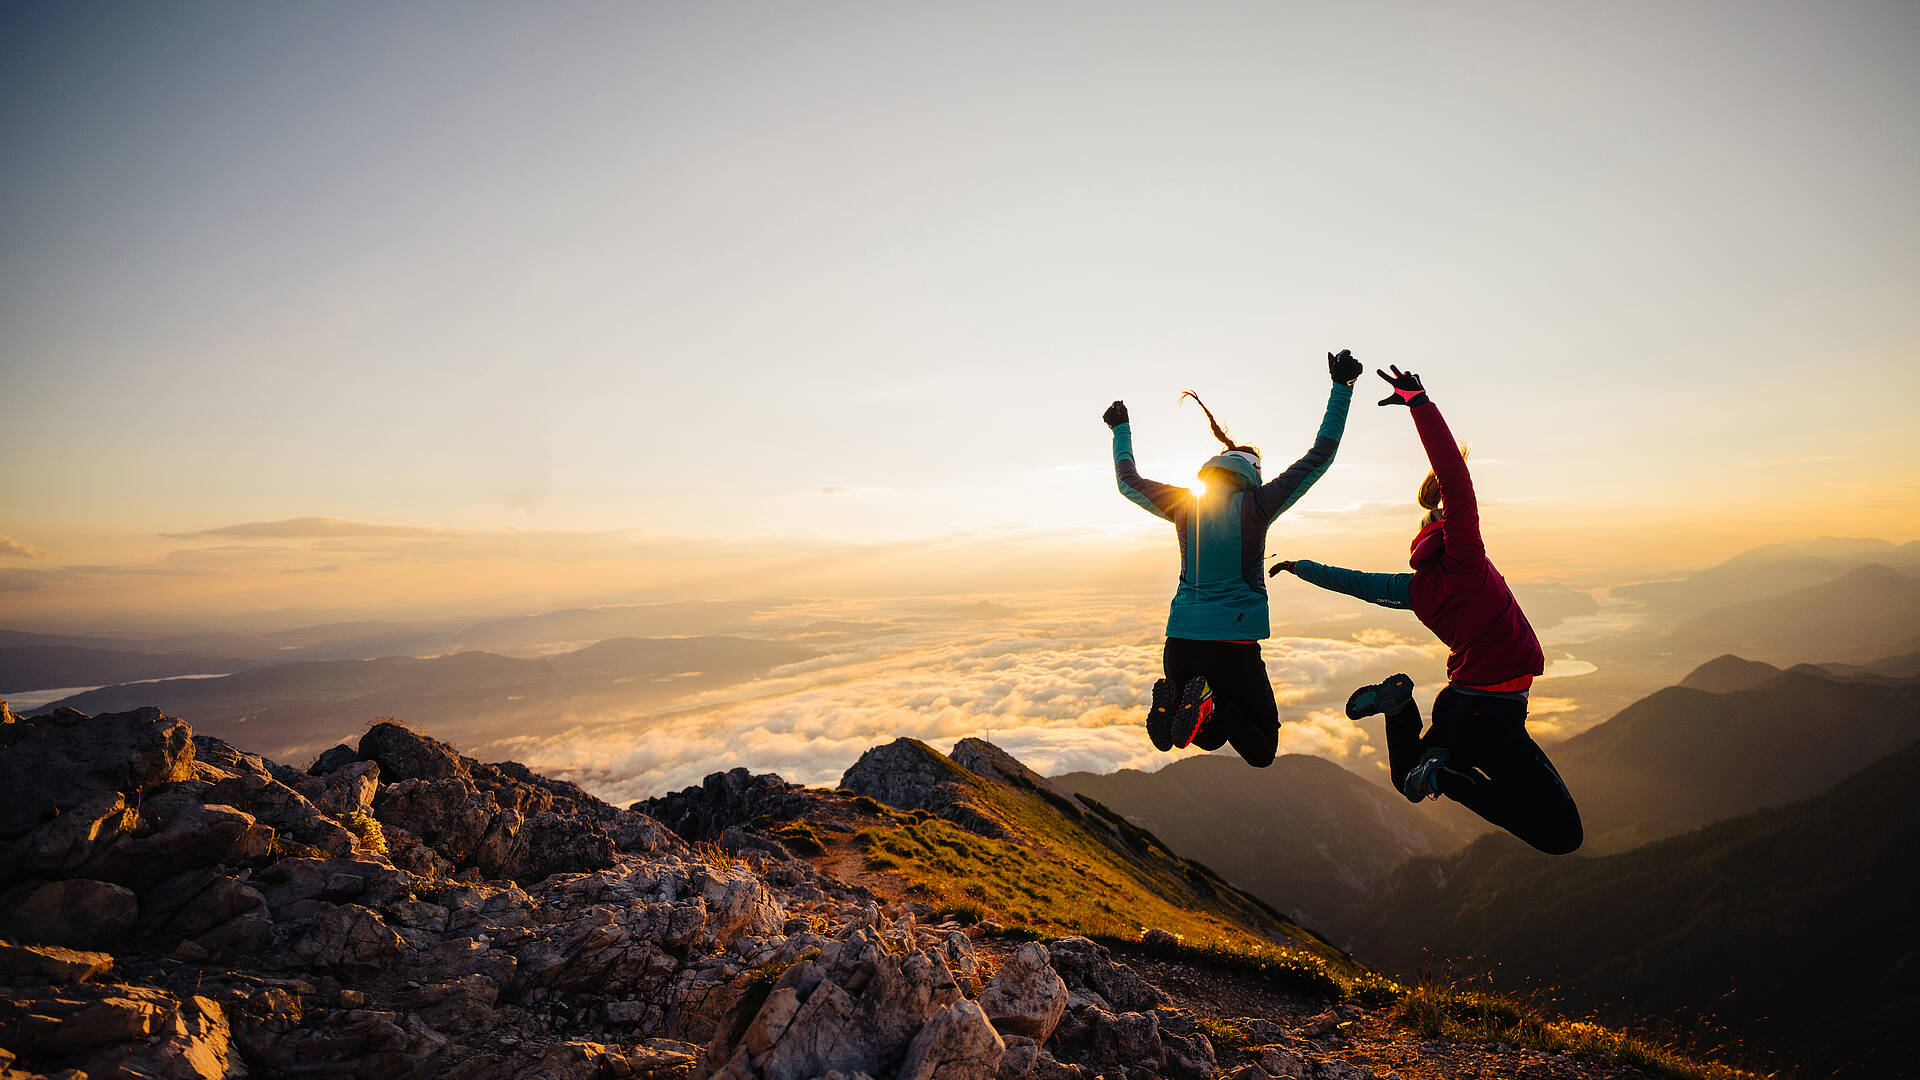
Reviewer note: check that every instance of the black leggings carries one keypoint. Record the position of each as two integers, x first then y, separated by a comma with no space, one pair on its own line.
1508,780
1244,712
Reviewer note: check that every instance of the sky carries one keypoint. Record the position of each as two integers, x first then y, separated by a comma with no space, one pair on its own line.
357,308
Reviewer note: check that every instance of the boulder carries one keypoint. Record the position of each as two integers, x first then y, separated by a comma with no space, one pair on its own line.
175,831
335,758
1026,997
1087,966
34,965
50,764
74,838
957,1044
80,913
408,755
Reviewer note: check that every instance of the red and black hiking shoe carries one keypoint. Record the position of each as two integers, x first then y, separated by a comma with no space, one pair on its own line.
1196,705
1160,715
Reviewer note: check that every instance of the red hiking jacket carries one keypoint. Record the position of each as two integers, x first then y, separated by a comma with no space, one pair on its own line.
1456,592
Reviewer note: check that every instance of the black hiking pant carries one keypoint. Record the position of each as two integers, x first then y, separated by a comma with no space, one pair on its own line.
1244,712
1497,771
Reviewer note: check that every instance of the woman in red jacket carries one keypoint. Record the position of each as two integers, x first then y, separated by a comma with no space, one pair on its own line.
1477,752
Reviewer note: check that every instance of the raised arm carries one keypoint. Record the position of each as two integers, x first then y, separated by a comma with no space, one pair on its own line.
1278,494
1460,525
1387,590
1161,500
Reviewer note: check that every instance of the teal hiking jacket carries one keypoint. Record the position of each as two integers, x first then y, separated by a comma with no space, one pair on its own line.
1223,535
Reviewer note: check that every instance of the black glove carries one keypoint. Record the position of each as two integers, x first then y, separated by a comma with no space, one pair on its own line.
1406,388
1116,414
1279,566
1343,367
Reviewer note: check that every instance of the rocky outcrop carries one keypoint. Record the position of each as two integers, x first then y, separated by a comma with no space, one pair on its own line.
907,774
365,919
199,911
982,758
47,772
725,800
402,911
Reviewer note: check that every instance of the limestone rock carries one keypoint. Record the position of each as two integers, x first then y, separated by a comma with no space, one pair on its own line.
856,1008
408,755
79,912
1282,1063
1026,997
74,838
28,965
724,799
52,763
907,774
957,1044
1019,1059
1087,966
335,758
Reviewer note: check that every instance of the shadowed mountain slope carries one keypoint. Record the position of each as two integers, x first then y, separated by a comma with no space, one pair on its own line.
1866,613
1681,758
1768,571
1727,674
1303,834
1791,926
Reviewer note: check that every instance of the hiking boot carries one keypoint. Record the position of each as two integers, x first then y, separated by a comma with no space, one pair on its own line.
1423,780
1196,705
1160,715
1384,697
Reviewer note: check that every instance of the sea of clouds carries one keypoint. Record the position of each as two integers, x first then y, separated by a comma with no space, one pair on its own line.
1061,681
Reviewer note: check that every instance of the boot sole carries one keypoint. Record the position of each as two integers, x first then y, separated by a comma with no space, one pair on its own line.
1189,719
1382,697
1160,716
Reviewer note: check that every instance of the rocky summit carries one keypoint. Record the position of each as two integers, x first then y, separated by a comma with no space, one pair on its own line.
178,908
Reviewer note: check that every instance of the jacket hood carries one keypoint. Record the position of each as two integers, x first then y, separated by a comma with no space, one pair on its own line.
1238,471
1428,544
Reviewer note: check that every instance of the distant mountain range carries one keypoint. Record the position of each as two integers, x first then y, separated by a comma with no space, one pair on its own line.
1683,757
1303,834
1792,926
522,635
1768,571
1864,614
303,707
41,667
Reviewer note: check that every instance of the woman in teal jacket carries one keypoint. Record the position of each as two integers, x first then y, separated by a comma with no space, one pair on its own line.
1216,689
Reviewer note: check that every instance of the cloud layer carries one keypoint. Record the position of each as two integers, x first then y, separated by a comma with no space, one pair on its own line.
1062,685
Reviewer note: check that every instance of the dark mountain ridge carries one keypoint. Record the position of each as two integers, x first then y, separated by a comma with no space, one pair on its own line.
1303,834
1681,757
1865,613
1790,926
47,667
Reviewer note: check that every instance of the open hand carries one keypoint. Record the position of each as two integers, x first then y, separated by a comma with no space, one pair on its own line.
1406,388
1343,367
1116,414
